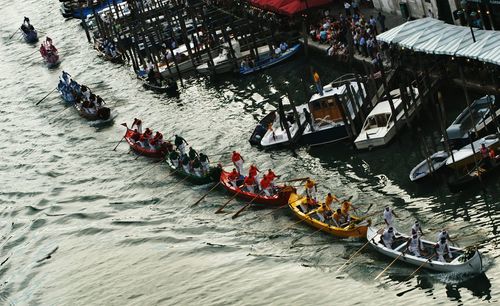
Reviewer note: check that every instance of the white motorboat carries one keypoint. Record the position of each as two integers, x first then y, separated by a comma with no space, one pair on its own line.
478,117
223,63
463,260
379,127
471,153
327,124
429,166
276,135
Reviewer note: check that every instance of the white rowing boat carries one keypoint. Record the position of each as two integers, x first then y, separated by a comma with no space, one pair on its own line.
463,260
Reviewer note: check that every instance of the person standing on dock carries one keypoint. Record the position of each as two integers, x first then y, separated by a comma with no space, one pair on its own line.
180,143
317,81
237,161
389,216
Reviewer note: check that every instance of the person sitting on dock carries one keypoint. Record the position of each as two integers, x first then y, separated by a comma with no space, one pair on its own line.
416,229
389,216
180,143
138,124
415,245
443,250
311,188
388,237
233,177
174,158
249,183
197,167
205,163
237,160
192,153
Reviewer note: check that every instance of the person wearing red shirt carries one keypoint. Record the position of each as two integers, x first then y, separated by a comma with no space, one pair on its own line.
249,183
271,176
265,185
233,177
237,161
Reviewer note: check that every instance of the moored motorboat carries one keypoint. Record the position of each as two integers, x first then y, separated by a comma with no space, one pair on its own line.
475,176
276,134
471,154
107,50
478,118
267,60
278,198
223,63
356,229
326,124
261,128
159,85
380,127
463,260
429,166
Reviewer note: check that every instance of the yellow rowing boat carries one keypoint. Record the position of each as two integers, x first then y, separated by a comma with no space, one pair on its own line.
357,228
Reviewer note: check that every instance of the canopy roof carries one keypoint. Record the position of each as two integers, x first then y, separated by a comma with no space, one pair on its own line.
433,36
287,7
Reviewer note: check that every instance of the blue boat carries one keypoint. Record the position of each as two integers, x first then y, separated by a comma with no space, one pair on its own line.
267,60
30,37
72,10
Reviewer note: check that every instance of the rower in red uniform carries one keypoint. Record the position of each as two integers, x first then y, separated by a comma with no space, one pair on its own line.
237,161
249,183
233,177
265,184
271,176
135,135
157,139
138,123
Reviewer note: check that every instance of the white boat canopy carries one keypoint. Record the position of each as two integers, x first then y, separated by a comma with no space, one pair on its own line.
433,36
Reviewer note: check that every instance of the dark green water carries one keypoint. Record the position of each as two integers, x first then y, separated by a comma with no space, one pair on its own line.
116,237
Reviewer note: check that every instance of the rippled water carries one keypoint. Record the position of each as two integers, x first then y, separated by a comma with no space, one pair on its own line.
82,224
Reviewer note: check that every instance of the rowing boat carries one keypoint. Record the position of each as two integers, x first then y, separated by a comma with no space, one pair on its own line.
212,175
31,36
471,153
267,60
475,176
357,228
279,198
463,260
137,147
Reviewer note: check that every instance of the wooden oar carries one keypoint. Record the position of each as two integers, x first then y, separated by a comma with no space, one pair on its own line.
196,203
225,204
421,266
386,268
293,180
246,205
59,113
155,164
180,181
318,230
46,96
14,33
114,149
353,255
295,223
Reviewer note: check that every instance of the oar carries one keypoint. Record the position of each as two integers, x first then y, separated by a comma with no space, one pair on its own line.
181,181
196,203
421,266
225,204
353,255
59,113
295,223
293,180
114,149
386,268
46,96
295,240
155,164
245,207
14,33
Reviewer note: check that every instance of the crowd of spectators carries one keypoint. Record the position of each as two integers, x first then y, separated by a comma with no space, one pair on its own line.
350,27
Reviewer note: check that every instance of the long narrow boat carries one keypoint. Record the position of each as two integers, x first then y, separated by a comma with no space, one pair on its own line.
213,174
266,60
141,150
357,229
429,166
168,87
103,114
31,36
471,153
49,54
279,198
117,59
463,260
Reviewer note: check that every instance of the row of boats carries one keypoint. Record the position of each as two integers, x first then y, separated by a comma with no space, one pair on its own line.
461,260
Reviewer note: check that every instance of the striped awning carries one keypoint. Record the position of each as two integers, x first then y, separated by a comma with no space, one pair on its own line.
433,36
